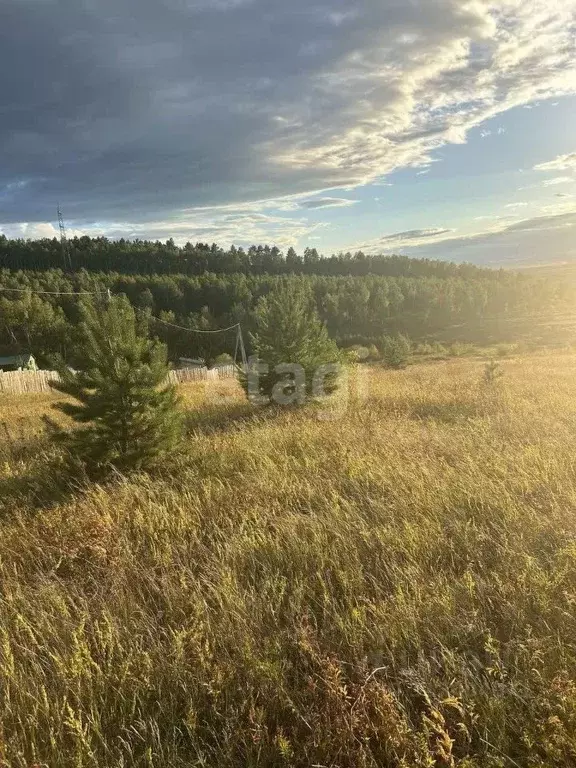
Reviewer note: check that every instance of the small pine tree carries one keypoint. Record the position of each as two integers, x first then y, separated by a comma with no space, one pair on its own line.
492,372
131,417
289,331
395,350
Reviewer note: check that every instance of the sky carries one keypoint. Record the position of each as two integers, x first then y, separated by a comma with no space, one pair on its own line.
435,128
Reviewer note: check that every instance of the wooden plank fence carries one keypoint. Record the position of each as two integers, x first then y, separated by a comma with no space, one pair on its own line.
183,375
24,382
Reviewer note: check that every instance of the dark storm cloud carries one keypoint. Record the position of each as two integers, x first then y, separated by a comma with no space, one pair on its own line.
127,107
134,110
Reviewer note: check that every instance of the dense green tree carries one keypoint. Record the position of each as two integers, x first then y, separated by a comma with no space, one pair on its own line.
129,414
31,324
293,261
395,350
294,358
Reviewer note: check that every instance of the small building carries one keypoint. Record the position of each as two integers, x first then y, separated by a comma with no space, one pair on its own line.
24,362
186,362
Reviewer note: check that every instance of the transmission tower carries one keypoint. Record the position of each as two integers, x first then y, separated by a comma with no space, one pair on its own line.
63,241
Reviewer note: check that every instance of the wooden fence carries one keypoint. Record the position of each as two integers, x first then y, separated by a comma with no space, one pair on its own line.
23,382
183,375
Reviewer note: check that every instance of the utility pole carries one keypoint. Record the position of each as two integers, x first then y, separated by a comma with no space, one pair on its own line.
240,343
63,241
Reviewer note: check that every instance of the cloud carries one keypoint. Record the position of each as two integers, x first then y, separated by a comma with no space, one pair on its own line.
516,205
326,202
560,163
35,230
240,227
506,243
522,242
558,180
485,132
137,111
410,238
415,234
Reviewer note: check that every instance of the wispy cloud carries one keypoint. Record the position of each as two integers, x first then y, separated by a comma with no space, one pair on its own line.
239,227
516,242
410,238
558,180
326,202
560,163
485,132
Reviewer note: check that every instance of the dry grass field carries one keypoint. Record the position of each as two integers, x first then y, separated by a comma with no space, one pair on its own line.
389,584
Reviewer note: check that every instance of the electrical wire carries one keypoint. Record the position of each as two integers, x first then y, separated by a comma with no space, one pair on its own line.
196,330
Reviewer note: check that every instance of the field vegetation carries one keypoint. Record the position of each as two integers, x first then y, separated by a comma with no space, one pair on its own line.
390,581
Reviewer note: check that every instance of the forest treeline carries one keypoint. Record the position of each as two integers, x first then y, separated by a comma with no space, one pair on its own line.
146,257
480,307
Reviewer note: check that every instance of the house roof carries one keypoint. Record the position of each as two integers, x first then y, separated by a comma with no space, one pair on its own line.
17,359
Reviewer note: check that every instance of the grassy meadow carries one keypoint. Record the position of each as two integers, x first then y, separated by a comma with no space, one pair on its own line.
390,583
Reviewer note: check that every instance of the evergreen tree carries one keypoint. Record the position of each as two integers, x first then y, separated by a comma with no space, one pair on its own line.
131,415
293,261
492,373
294,346
395,350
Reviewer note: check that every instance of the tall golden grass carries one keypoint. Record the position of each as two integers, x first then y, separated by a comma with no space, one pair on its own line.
393,587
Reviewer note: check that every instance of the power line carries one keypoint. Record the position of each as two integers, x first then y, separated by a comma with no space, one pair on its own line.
239,338
107,292
196,330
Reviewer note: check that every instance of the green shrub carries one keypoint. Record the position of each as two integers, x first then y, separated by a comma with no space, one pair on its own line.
503,350
358,353
460,349
424,349
224,359
373,353
395,350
